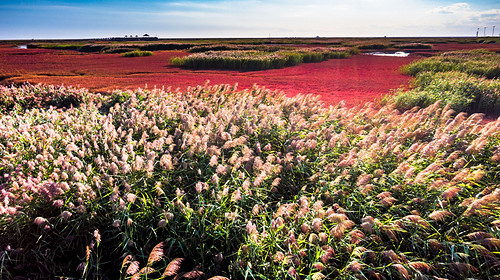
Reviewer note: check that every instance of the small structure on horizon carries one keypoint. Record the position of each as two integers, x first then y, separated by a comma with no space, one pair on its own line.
145,37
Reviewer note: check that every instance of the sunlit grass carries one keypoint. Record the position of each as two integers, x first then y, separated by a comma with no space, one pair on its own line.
462,92
476,62
465,80
257,60
137,53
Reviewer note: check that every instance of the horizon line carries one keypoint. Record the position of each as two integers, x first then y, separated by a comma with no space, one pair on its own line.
240,38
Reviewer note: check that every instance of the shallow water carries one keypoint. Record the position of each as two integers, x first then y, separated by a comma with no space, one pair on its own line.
24,47
395,54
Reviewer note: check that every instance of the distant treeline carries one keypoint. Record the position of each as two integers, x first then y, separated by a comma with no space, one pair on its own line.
114,48
126,39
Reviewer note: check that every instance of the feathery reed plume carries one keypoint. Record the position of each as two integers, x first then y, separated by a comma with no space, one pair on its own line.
451,193
144,271
403,273
193,274
477,235
328,255
388,201
435,246
389,256
356,236
367,224
422,267
318,276
41,222
338,231
416,219
483,205
440,215
460,268
156,254
354,266
65,215
173,268
285,210
127,260
317,224
257,209
278,257
370,257
490,243
133,268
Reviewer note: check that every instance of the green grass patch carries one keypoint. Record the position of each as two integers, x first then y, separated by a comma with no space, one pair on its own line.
482,63
467,81
375,46
56,46
137,53
413,46
256,60
462,92
234,47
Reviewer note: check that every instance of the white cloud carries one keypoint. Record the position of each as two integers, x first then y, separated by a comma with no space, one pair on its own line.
452,9
259,18
299,18
463,16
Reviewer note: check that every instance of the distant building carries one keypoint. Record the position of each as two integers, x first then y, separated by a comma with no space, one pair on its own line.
145,37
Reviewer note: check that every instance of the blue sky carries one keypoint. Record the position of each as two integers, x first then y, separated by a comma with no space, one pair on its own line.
246,18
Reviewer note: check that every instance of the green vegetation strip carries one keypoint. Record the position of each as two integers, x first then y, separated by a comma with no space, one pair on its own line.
137,53
242,184
465,80
113,48
257,60
481,63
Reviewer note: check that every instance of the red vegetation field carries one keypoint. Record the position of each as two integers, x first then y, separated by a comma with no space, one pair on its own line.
354,80
458,46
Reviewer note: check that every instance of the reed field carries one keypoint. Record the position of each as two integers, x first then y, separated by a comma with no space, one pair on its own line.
479,62
258,60
137,53
465,80
214,182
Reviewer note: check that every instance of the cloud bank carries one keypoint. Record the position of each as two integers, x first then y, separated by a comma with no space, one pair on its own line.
252,18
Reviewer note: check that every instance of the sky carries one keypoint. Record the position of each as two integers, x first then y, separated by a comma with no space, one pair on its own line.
47,19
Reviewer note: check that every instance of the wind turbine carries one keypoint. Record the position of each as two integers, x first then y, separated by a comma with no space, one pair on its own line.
485,31
493,32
